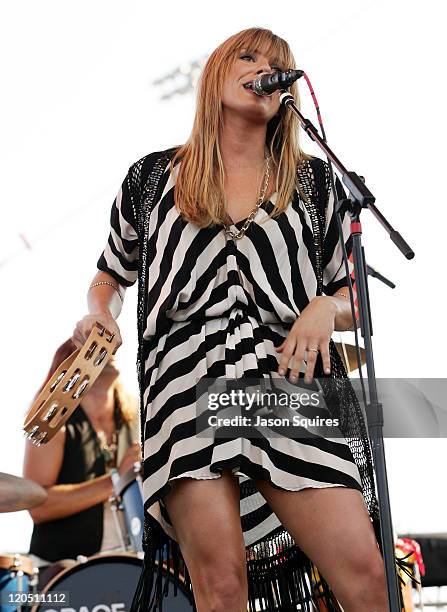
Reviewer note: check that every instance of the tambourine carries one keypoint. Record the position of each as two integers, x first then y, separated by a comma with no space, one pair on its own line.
63,392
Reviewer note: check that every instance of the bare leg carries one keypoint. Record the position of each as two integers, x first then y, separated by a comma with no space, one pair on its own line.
332,526
206,517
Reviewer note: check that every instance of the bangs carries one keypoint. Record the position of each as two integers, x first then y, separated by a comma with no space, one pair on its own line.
262,41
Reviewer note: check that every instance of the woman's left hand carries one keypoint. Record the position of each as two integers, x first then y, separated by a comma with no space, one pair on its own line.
312,330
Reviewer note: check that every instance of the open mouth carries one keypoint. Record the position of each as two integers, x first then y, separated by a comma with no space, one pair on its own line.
249,87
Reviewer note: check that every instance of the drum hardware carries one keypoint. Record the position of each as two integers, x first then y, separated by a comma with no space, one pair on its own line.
18,576
117,506
16,569
128,498
64,390
34,580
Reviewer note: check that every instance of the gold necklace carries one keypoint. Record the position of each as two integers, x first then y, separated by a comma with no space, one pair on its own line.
238,235
109,451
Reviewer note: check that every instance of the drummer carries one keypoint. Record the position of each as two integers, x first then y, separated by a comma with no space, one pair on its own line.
74,468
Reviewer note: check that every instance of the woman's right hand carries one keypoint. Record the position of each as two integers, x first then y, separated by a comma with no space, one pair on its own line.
85,325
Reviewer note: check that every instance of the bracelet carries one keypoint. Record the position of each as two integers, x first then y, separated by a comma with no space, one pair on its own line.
343,295
107,283
352,326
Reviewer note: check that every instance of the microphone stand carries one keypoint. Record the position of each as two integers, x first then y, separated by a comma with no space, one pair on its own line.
361,197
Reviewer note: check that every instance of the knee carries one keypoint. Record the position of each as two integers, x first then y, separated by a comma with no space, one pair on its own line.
227,594
369,585
371,569
376,576
225,588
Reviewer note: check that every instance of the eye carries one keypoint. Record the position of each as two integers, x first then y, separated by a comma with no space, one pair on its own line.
246,55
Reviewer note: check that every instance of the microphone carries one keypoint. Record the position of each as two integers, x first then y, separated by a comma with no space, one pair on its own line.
266,84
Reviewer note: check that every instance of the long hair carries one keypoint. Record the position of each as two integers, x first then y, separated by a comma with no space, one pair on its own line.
199,186
126,403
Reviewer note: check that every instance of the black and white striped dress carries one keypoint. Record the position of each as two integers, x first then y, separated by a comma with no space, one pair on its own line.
217,308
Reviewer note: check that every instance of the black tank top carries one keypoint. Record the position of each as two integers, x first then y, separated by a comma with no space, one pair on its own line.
80,533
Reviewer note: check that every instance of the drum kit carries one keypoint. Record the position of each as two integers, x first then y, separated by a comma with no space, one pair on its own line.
105,582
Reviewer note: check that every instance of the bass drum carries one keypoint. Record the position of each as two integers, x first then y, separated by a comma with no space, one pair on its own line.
17,580
105,583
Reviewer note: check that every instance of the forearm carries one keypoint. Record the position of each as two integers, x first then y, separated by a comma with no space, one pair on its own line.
67,499
104,299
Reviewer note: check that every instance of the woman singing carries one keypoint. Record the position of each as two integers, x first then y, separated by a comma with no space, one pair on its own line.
233,284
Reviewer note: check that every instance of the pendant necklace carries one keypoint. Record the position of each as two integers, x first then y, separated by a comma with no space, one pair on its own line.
238,235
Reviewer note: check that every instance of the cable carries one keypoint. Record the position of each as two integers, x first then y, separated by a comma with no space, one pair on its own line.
340,236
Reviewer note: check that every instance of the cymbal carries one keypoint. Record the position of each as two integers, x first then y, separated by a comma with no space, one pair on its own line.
350,359
19,493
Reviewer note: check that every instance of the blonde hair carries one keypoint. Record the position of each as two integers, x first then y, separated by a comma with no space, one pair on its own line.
127,404
199,186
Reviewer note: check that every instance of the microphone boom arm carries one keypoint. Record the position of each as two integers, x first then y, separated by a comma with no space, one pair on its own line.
354,183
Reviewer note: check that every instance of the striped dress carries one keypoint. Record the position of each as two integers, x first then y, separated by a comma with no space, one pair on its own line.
218,308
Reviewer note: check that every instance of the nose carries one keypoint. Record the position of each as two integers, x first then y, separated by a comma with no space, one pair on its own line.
264,67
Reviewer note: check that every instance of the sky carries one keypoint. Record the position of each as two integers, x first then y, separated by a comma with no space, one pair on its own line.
79,106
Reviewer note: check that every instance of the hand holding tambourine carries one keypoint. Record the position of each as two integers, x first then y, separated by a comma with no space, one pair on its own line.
84,327
64,390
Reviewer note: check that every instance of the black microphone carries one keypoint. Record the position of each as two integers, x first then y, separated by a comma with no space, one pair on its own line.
266,84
